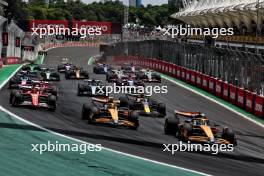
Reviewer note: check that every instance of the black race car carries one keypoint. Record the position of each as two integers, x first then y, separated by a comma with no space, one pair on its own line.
91,88
101,68
76,73
148,76
145,105
49,74
62,68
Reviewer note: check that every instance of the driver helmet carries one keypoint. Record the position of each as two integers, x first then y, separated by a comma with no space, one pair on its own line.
111,100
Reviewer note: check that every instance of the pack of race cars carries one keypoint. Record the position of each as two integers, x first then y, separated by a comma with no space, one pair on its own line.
33,87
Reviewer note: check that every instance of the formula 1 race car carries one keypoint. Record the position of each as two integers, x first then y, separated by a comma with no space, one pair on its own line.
129,82
116,75
34,98
91,88
109,111
22,78
76,73
31,67
149,76
101,68
49,74
144,105
46,87
130,68
62,68
197,129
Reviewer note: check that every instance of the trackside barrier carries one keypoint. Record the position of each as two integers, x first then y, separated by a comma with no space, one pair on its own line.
183,74
233,94
225,91
188,76
258,109
240,97
250,98
198,79
205,82
219,88
193,77
1,63
211,85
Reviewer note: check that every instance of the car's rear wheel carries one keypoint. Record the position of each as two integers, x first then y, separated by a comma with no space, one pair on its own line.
171,126
52,102
134,118
229,135
123,101
161,109
16,98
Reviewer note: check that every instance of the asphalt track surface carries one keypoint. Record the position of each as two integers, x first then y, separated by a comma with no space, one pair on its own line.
247,159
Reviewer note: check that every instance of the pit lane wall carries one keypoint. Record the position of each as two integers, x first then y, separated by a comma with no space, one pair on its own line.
240,97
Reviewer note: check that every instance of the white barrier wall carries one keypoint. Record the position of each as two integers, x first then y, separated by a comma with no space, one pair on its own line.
2,20
13,32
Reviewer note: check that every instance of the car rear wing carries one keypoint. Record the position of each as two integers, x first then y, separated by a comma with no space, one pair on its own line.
104,100
136,95
187,114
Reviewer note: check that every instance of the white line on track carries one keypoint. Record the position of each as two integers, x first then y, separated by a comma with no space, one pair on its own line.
111,150
4,83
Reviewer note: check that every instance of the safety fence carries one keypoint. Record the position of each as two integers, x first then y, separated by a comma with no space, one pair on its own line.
240,97
246,39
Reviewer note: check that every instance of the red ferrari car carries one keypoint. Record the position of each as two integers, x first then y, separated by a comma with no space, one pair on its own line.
35,98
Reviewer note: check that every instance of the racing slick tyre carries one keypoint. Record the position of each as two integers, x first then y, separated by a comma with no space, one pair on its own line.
187,131
54,91
80,90
161,109
52,102
123,101
171,126
85,74
89,112
67,75
95,70
134,118
158,78
229,135
16,98
108,76
57,76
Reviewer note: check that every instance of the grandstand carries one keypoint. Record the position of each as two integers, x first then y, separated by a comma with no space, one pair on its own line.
246,17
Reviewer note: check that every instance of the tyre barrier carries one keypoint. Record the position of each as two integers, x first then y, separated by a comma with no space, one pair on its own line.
244,99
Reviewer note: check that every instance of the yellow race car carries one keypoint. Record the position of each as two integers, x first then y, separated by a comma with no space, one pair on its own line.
110,111
197,128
